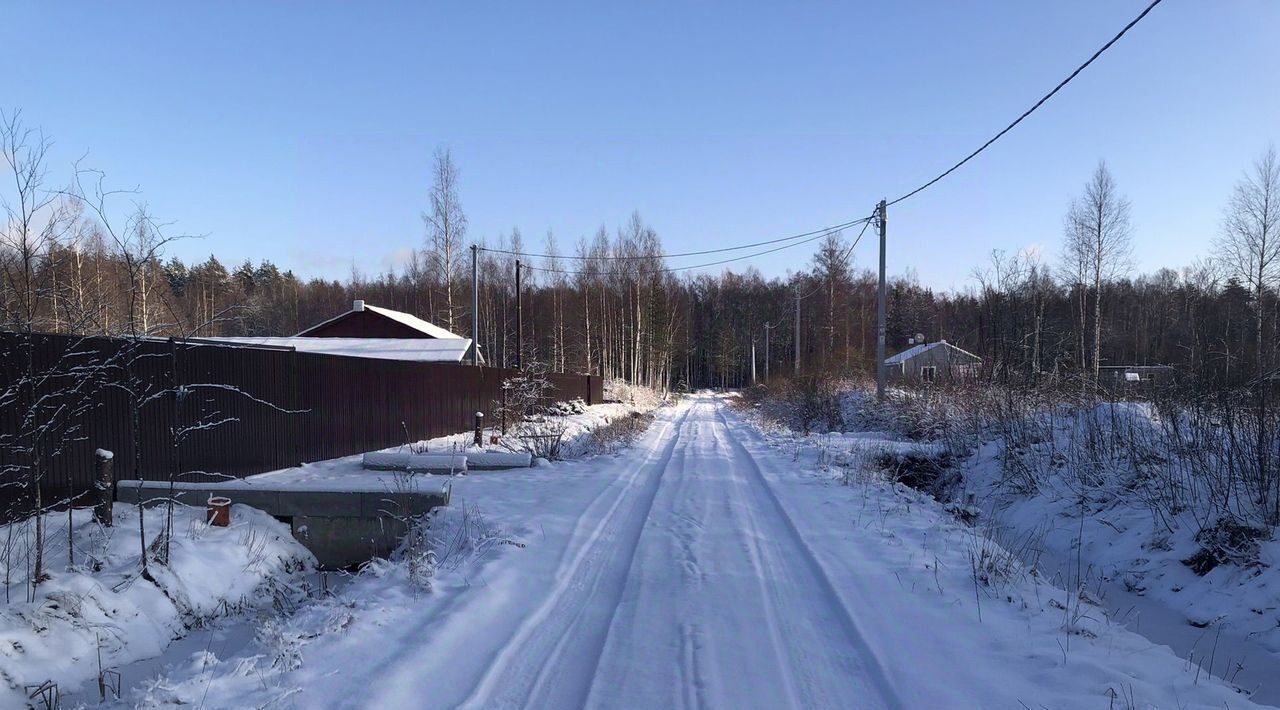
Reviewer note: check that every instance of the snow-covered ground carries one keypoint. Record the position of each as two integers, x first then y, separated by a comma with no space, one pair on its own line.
100,614
708,565
226,591
1133,557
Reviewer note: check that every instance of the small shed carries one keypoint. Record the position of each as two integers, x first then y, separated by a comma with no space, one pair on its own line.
931,362
1121,378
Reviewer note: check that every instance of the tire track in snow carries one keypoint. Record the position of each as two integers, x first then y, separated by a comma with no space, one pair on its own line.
519,673
751,539
753,628
872,666
389,667
682,530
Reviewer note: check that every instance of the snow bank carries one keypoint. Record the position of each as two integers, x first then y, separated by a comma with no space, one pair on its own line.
1031,640
101,606
1113,497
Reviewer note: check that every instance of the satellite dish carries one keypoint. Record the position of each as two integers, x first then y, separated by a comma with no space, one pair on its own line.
919,338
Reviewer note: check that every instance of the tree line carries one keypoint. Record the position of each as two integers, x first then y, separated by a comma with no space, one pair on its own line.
618,310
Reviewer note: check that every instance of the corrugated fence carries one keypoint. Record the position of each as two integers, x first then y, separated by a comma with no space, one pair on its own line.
234,410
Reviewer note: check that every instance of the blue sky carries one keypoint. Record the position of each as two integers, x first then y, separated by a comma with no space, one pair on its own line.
303,132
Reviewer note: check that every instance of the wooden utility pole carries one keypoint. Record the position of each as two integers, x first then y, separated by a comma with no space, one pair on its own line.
519,322
475,305
880,307
797,353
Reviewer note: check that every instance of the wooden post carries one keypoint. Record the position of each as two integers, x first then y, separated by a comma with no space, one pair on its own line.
103,485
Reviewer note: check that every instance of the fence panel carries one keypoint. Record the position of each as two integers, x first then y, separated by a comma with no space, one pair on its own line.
236,410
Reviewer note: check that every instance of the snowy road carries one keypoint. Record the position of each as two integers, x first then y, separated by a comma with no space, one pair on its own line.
694,590
709,566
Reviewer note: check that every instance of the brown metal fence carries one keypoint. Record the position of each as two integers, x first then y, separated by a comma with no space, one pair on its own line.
235,410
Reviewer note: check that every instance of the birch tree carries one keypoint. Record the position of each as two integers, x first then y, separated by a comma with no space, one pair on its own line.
1250,248
1098,241
446,226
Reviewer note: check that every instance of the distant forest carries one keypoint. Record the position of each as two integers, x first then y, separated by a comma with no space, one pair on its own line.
72,263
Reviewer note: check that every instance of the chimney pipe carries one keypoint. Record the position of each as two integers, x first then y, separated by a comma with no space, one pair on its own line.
357,306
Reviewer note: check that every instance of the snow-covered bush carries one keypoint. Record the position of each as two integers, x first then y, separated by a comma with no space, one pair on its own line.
526,393
564,409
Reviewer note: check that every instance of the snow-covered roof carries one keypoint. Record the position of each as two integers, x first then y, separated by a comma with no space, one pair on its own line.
923,348
401,317
414,322
451,349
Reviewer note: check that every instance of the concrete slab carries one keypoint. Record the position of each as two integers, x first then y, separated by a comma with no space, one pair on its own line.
340,527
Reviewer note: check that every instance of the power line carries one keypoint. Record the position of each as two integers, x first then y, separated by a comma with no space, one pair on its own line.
857,239
806,237
847,252
629,257
1037,104
670,269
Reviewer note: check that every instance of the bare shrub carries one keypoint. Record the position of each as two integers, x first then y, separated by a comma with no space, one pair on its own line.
931,472
1227,542
542,437
618,433
808,402
457,534
535,425
526,394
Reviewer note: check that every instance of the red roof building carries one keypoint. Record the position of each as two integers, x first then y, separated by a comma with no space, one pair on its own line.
365,321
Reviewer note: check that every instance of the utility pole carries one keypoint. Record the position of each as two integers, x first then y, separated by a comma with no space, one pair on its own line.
475,305
797,355
880,307
766,353
753,361
519,322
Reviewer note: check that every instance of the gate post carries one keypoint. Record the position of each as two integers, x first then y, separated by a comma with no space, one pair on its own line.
102,485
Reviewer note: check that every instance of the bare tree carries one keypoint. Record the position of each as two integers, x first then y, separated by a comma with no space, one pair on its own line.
51,387
137,244
446,227
831,269
1098,241
33,225
1249,247
556,282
